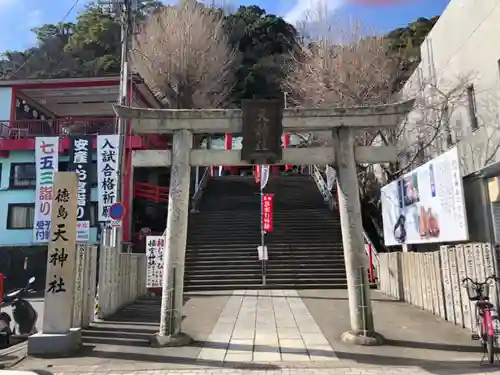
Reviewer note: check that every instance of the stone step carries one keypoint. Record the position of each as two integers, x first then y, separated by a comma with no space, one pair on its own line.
213,272
194,243
269,285
272,254
305,247
280,237
229,225
277,245
231,262
270,275
216,266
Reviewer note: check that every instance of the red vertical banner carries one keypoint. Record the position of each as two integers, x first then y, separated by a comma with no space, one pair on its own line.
267,212
1,287
256,173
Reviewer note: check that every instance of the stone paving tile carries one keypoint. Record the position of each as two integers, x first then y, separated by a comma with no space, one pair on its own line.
386,370
267,326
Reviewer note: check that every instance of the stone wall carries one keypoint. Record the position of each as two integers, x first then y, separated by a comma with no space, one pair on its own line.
432,280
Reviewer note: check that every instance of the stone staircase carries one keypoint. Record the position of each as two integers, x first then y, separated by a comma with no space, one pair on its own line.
305,248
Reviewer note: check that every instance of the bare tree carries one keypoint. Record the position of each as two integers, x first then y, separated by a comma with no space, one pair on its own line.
183,54
340,66
348,67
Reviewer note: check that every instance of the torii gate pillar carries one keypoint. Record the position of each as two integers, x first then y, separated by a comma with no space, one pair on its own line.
361,316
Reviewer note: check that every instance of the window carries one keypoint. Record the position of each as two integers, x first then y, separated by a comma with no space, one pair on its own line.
20,216
446,126
93,214
471,100
22,176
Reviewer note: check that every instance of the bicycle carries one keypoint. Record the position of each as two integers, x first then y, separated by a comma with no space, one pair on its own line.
485,314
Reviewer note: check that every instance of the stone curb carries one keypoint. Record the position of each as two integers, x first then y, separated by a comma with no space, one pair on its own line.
11,356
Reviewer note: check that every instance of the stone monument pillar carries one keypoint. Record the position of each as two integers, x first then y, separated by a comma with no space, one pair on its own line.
57,336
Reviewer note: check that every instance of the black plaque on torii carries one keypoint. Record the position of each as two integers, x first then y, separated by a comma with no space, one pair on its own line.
262,130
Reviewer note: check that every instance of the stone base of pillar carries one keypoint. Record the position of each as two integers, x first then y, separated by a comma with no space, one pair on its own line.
55,344
369,339
181,339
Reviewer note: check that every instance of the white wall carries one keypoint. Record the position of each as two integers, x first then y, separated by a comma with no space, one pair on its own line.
462,49
5,103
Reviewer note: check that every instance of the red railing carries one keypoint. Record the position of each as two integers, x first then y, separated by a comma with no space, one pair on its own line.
157,194
19,129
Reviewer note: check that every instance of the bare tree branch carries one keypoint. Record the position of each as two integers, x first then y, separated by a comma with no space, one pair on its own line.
183,54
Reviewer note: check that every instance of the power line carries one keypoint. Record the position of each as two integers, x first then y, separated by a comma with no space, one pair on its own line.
30,57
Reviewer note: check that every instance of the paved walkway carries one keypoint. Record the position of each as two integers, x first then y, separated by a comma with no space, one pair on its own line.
272,333
336,371
266,326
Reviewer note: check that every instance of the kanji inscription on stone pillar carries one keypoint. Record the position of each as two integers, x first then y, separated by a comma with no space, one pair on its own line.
262,130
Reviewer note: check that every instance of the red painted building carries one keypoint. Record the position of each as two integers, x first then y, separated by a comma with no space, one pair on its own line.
59,107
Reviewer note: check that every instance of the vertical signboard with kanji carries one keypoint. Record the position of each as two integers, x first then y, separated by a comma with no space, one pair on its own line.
60,280
155,250
47,161
80,161
107,176
81,249
267,212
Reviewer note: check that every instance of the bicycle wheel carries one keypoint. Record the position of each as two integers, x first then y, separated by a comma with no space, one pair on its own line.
490,348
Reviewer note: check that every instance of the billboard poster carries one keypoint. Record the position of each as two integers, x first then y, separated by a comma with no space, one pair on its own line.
80,161
426,205
47,163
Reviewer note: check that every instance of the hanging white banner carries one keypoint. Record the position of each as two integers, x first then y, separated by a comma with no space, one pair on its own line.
155,252
264,176
47,163
107,176
331,177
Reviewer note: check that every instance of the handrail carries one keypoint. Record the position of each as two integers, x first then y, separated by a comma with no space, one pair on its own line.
323,188
198,191
155,193
332,204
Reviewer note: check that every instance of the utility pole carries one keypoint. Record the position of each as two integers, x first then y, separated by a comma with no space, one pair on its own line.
123,98
122,9
113,237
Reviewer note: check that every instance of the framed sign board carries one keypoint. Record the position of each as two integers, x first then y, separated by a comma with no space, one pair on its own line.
262,131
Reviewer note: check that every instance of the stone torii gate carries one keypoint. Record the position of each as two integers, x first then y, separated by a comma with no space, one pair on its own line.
344,123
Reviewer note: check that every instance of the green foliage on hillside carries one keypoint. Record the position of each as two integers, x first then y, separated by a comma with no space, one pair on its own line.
91,47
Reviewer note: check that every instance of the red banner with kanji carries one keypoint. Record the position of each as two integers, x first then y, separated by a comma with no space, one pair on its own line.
267,212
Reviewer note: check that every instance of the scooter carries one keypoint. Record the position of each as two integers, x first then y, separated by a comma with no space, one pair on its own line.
25,316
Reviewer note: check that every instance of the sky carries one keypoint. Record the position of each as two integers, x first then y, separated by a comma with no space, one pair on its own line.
18,17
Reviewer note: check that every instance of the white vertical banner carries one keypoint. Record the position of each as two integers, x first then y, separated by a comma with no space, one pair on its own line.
331,177
155,251
264,175
107,176
47,163
79,275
